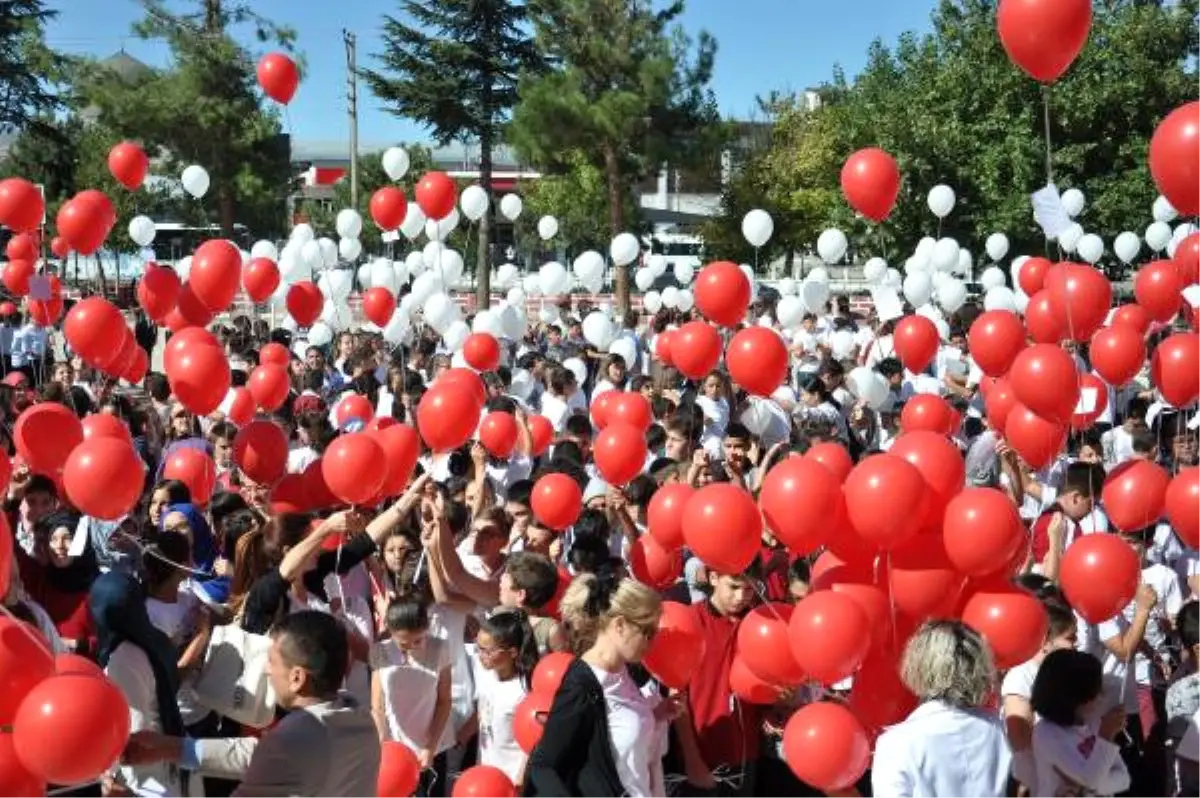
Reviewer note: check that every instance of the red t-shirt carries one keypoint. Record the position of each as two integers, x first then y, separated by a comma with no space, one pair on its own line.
726,728
1040,530
776,582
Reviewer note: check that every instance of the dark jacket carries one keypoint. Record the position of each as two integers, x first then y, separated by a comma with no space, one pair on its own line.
575,755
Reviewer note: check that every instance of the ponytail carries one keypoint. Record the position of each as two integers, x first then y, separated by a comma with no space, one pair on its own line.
511,629
249,563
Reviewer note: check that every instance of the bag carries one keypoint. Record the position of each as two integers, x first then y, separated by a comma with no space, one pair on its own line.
233,680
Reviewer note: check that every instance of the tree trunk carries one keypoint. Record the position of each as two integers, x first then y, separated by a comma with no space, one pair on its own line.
616,199
483,262
227,211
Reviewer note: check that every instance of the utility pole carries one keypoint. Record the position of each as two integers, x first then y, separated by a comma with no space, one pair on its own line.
352,108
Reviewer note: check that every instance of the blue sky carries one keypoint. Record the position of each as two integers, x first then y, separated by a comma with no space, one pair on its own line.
763,45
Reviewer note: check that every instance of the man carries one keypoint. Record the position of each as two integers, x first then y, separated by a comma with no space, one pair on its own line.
1058,527
325,745
332,380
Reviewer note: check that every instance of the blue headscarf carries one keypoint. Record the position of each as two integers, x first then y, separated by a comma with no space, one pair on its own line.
118,607
204,546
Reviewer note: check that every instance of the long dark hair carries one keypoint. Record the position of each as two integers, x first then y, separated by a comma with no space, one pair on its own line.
510,628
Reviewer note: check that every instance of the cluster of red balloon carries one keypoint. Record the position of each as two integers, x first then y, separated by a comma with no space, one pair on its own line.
400,775
448,412
197,369
96,331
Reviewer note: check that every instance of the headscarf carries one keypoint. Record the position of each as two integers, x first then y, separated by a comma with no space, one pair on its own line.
77,575
204,547
118,607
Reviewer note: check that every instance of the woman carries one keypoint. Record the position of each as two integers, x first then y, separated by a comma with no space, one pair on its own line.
186,519
165,493
58,580
604,736
613,376
313,434
140,661
950,744
817,403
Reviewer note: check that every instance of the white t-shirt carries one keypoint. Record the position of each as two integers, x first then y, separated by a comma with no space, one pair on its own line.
448,624
1019,682
556,411
632,729
1074,760
409,683
716,419
1126,679
301,458
129,669
497,705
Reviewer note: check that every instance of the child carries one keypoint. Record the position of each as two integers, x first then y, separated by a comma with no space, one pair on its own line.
1055,530
1070,756
410,688
506,654
560,385
1183,696
714,403
221,437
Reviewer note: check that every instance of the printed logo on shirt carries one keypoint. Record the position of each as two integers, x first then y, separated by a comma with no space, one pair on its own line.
1086,747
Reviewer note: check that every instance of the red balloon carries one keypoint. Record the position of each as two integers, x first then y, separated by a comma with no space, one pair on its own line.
17,274
1135,494
1032,275
830,636
353,408
1131,315
195,469
678,647
25,660
278,76
436,194
1099,575
59,247
200,379
723,527
351,467
1045,380
498,434
22,246
1175,368
269,385
879,698
191,310
653,565
556,500
723,293
1037,440
45,313
541,434
95,329
874,602
15,779
139,367
128,164
483,781
1174,158
995,339
871,183
158,291
748,687
464,380
629,407
929,413
45,435
1117,353
833,456
620,453
388,208
695,349
529,720
319,495
1042,319
21,205
289,496
378,305
103,478
662,347
260,450
304,302
884,496
399,771
1187,259
481,351
73,663
763,645
550,672
600,407
916,342
665,514
446,417
826,746
71,728
1093,384
260,278
1082,297
920,578
401,448
1157,287
1183,496
82,224
799,482
241,409
1043,37
1013,622
940,464
274,353
757,359
982,531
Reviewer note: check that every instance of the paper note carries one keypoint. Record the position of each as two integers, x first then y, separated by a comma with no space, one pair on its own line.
1192,295
39,288
1087,401
887,304
1048,211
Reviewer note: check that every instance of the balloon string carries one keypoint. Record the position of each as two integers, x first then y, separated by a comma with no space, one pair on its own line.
1046,132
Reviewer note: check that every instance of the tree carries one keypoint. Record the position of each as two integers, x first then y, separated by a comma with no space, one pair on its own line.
626,88
204,109
455,70
578,199
27,66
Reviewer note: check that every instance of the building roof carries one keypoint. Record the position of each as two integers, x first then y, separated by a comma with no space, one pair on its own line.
126,67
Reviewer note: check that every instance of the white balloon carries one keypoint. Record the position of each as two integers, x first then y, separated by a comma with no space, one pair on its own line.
264,249
941,200
415,262
547,228
992,277
1072,202
431,254
512,322
474,202
349,249
787,286
624,249
425,286
686,300
397,330
400,269
819,274
311,255
439,312
966,263
319,334
925,247
1126,246
1069,239
395,162
364,276
997,246
748,270
440,229
1014,268
292,267
532,284
917,263
790,311
918,288
1158,235
577,367
487,321
348,223
451,267
589,266
329,252
757,227
814,294
670,297
414,222
625,347
831,245
945,255
643,279
516,297
302,234
1000,298
952,294
874,270
652,302
1090,247
183,267
336,285
142,230
506,275
510,207
195,180
894,280
455,334
598,330
553,278
841,344
868,385
336,315
684,272
1181,232
1163,210
657,264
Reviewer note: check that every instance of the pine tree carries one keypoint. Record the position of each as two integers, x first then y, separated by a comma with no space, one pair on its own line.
453,66
27,66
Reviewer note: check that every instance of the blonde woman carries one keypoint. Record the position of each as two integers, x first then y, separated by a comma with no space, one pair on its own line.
604,735
950,744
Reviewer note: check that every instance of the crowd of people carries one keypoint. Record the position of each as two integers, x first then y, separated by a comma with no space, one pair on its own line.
424,621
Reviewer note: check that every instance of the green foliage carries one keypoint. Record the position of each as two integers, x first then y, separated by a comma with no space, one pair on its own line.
578,198
27,67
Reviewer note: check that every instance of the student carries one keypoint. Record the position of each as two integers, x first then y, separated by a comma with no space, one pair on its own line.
1058,527
505,656
1071,756
713,401
799,580
560,385
681,440
1183,696
220,437
31,497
